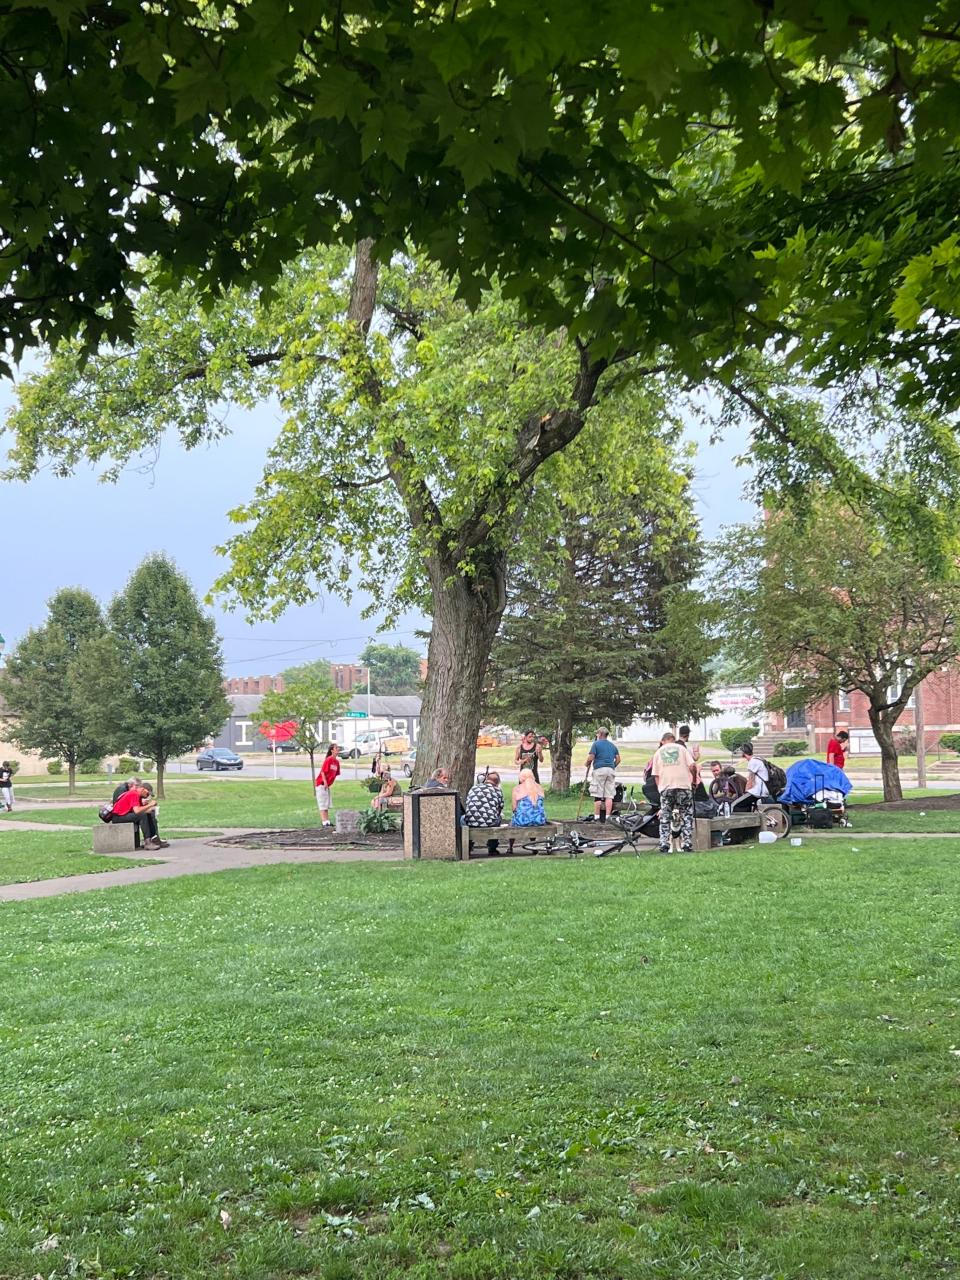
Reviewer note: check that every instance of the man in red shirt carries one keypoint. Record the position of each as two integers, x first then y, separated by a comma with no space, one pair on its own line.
837,749
139,807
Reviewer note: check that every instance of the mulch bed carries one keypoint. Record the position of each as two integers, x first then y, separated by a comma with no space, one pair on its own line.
314,838
926,803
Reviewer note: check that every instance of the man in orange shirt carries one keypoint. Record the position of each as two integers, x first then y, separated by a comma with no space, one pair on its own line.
676,773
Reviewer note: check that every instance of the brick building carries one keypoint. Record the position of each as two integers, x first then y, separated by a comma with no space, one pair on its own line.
941,714
253,684
348,676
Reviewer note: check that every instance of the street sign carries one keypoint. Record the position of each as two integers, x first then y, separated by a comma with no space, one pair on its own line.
354,715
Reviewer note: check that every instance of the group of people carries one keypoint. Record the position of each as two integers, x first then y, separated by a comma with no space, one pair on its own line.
134,801
483,806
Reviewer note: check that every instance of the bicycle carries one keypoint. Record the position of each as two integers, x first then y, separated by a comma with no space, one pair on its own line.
573,844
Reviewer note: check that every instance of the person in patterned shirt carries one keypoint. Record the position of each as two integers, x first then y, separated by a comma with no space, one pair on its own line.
484,807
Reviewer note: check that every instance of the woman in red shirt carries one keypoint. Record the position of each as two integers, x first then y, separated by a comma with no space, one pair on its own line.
329,772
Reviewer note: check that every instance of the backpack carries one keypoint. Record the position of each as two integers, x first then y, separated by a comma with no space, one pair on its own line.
776,778
105,812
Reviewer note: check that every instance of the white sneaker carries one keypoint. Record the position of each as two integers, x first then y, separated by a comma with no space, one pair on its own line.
326,824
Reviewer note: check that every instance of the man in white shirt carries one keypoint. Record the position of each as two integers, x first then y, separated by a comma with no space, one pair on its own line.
758,779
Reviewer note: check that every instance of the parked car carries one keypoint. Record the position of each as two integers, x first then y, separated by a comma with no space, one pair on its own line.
408,762
219,758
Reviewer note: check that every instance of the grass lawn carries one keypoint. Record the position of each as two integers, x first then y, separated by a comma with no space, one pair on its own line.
44,855
736,1065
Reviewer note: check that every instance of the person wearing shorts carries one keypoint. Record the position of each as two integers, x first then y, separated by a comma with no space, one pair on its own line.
603,759
329,772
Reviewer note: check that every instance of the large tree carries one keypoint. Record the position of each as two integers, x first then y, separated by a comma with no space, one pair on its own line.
162,672
616,633
308,702
50,701
394,668
828,604
749,172
423,444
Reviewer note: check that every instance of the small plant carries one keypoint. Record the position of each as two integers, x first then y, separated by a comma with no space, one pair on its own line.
127,764
377,822
733,739
371,782
950,741
793,747
90,766
54,766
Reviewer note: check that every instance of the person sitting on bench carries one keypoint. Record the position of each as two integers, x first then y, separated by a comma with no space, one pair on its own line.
727,786
484,807
138,806
388,788
528,802
758,782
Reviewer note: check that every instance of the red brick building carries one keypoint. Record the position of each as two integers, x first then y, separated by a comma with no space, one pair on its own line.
941,714
253,684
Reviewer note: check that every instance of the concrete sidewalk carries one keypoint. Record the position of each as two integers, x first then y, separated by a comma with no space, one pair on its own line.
186,858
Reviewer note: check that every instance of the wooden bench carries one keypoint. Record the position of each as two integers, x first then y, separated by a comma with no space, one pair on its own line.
506,836
703,828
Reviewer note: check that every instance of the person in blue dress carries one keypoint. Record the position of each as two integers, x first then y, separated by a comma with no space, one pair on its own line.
528,802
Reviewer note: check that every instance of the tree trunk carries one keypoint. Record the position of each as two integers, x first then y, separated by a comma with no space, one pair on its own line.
71,776
890,769
562,752
311,752
161,770
466,615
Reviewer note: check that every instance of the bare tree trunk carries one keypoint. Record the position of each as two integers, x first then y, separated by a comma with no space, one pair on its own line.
466,615
161,770
71,776
889,767
562,752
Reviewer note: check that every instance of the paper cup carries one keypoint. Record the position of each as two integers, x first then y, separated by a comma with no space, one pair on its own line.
796,841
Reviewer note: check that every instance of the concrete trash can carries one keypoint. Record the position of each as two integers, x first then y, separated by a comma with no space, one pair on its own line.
431,824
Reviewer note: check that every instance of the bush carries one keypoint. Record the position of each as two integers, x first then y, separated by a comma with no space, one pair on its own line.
146,766
950,741
54,766
127,764
906,742
377,822
14,766
733,739
795,747
371,782
90,766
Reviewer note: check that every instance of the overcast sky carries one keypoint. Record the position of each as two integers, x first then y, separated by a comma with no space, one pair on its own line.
78,532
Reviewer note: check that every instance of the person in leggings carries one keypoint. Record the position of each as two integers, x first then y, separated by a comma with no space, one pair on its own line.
138,806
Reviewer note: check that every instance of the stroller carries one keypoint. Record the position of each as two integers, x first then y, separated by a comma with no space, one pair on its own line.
815,794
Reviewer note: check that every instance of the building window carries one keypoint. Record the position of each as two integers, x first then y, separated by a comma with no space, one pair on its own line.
843,700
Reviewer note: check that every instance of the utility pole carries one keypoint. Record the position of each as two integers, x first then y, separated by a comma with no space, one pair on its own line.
919,728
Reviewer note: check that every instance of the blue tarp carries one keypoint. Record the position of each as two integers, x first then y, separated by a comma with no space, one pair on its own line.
806,777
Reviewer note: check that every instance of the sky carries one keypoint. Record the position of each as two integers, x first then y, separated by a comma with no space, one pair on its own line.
76,531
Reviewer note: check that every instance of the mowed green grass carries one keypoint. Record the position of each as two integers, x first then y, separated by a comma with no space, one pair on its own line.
736,1065
43,855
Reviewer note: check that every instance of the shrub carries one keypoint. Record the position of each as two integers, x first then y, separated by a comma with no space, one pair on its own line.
90,766
371,782
127,764
733,739
146,766
794,747
54,766
906,742
950,741
377,822
14,766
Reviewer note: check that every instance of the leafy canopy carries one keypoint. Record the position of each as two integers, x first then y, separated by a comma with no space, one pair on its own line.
394,668
745,172
309,701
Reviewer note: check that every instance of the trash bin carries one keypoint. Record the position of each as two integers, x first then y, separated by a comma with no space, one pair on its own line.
431,824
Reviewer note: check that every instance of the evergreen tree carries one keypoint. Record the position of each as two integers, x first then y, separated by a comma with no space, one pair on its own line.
164,664
618,634
46,688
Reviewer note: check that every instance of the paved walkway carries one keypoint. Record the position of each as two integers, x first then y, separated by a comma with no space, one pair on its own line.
187,858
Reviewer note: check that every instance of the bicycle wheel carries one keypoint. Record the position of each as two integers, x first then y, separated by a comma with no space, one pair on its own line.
777,820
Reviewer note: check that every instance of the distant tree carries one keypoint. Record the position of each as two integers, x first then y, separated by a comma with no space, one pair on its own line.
318,669
618,634
394,669
309,701
828,605
47,697
163,665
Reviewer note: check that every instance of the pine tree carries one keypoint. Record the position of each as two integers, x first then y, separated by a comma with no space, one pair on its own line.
45,685
619,634
165,667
